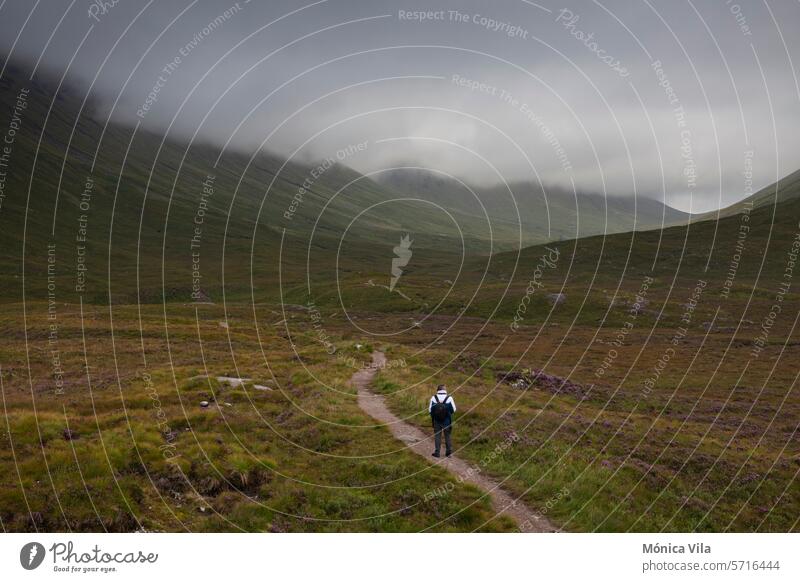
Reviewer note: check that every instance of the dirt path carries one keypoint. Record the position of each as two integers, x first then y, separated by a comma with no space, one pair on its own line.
422,444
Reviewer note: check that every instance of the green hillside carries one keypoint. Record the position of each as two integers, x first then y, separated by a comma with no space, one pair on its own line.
136,198
545,213
787,188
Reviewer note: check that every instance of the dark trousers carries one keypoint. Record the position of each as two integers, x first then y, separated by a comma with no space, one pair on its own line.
438,429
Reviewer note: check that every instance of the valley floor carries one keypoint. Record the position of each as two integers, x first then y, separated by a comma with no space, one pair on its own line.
132,418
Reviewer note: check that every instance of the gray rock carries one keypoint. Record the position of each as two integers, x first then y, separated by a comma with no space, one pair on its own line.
232,381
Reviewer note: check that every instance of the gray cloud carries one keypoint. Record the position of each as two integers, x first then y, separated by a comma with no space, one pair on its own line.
510,90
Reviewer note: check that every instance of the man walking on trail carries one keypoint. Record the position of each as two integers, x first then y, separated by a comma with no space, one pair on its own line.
441,409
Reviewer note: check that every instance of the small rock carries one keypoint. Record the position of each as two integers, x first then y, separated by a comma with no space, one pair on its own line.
556,298
223,325
260,387
204,403
232,381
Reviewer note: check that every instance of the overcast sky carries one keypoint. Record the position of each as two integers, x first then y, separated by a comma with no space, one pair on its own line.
569,93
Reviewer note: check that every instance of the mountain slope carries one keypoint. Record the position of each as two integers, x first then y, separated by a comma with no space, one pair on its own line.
131,215
787,188
545,212
590,269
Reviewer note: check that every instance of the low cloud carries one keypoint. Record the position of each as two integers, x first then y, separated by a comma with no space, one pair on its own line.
452,89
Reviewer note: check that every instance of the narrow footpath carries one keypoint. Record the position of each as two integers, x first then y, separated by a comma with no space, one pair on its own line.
422,444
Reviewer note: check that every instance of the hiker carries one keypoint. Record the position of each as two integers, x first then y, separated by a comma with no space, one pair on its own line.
441,409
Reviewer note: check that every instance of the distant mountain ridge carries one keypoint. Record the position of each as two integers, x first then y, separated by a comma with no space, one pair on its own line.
265,230
544,212
148,192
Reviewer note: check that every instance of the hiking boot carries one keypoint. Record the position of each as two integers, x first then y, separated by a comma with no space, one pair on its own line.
435,455
448,453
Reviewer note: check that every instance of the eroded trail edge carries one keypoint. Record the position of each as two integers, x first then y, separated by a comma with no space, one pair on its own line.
421,443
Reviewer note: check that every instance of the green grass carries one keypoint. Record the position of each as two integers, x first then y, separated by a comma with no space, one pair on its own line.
299,458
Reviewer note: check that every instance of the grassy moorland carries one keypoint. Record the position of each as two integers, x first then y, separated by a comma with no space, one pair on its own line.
146,455
660,394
